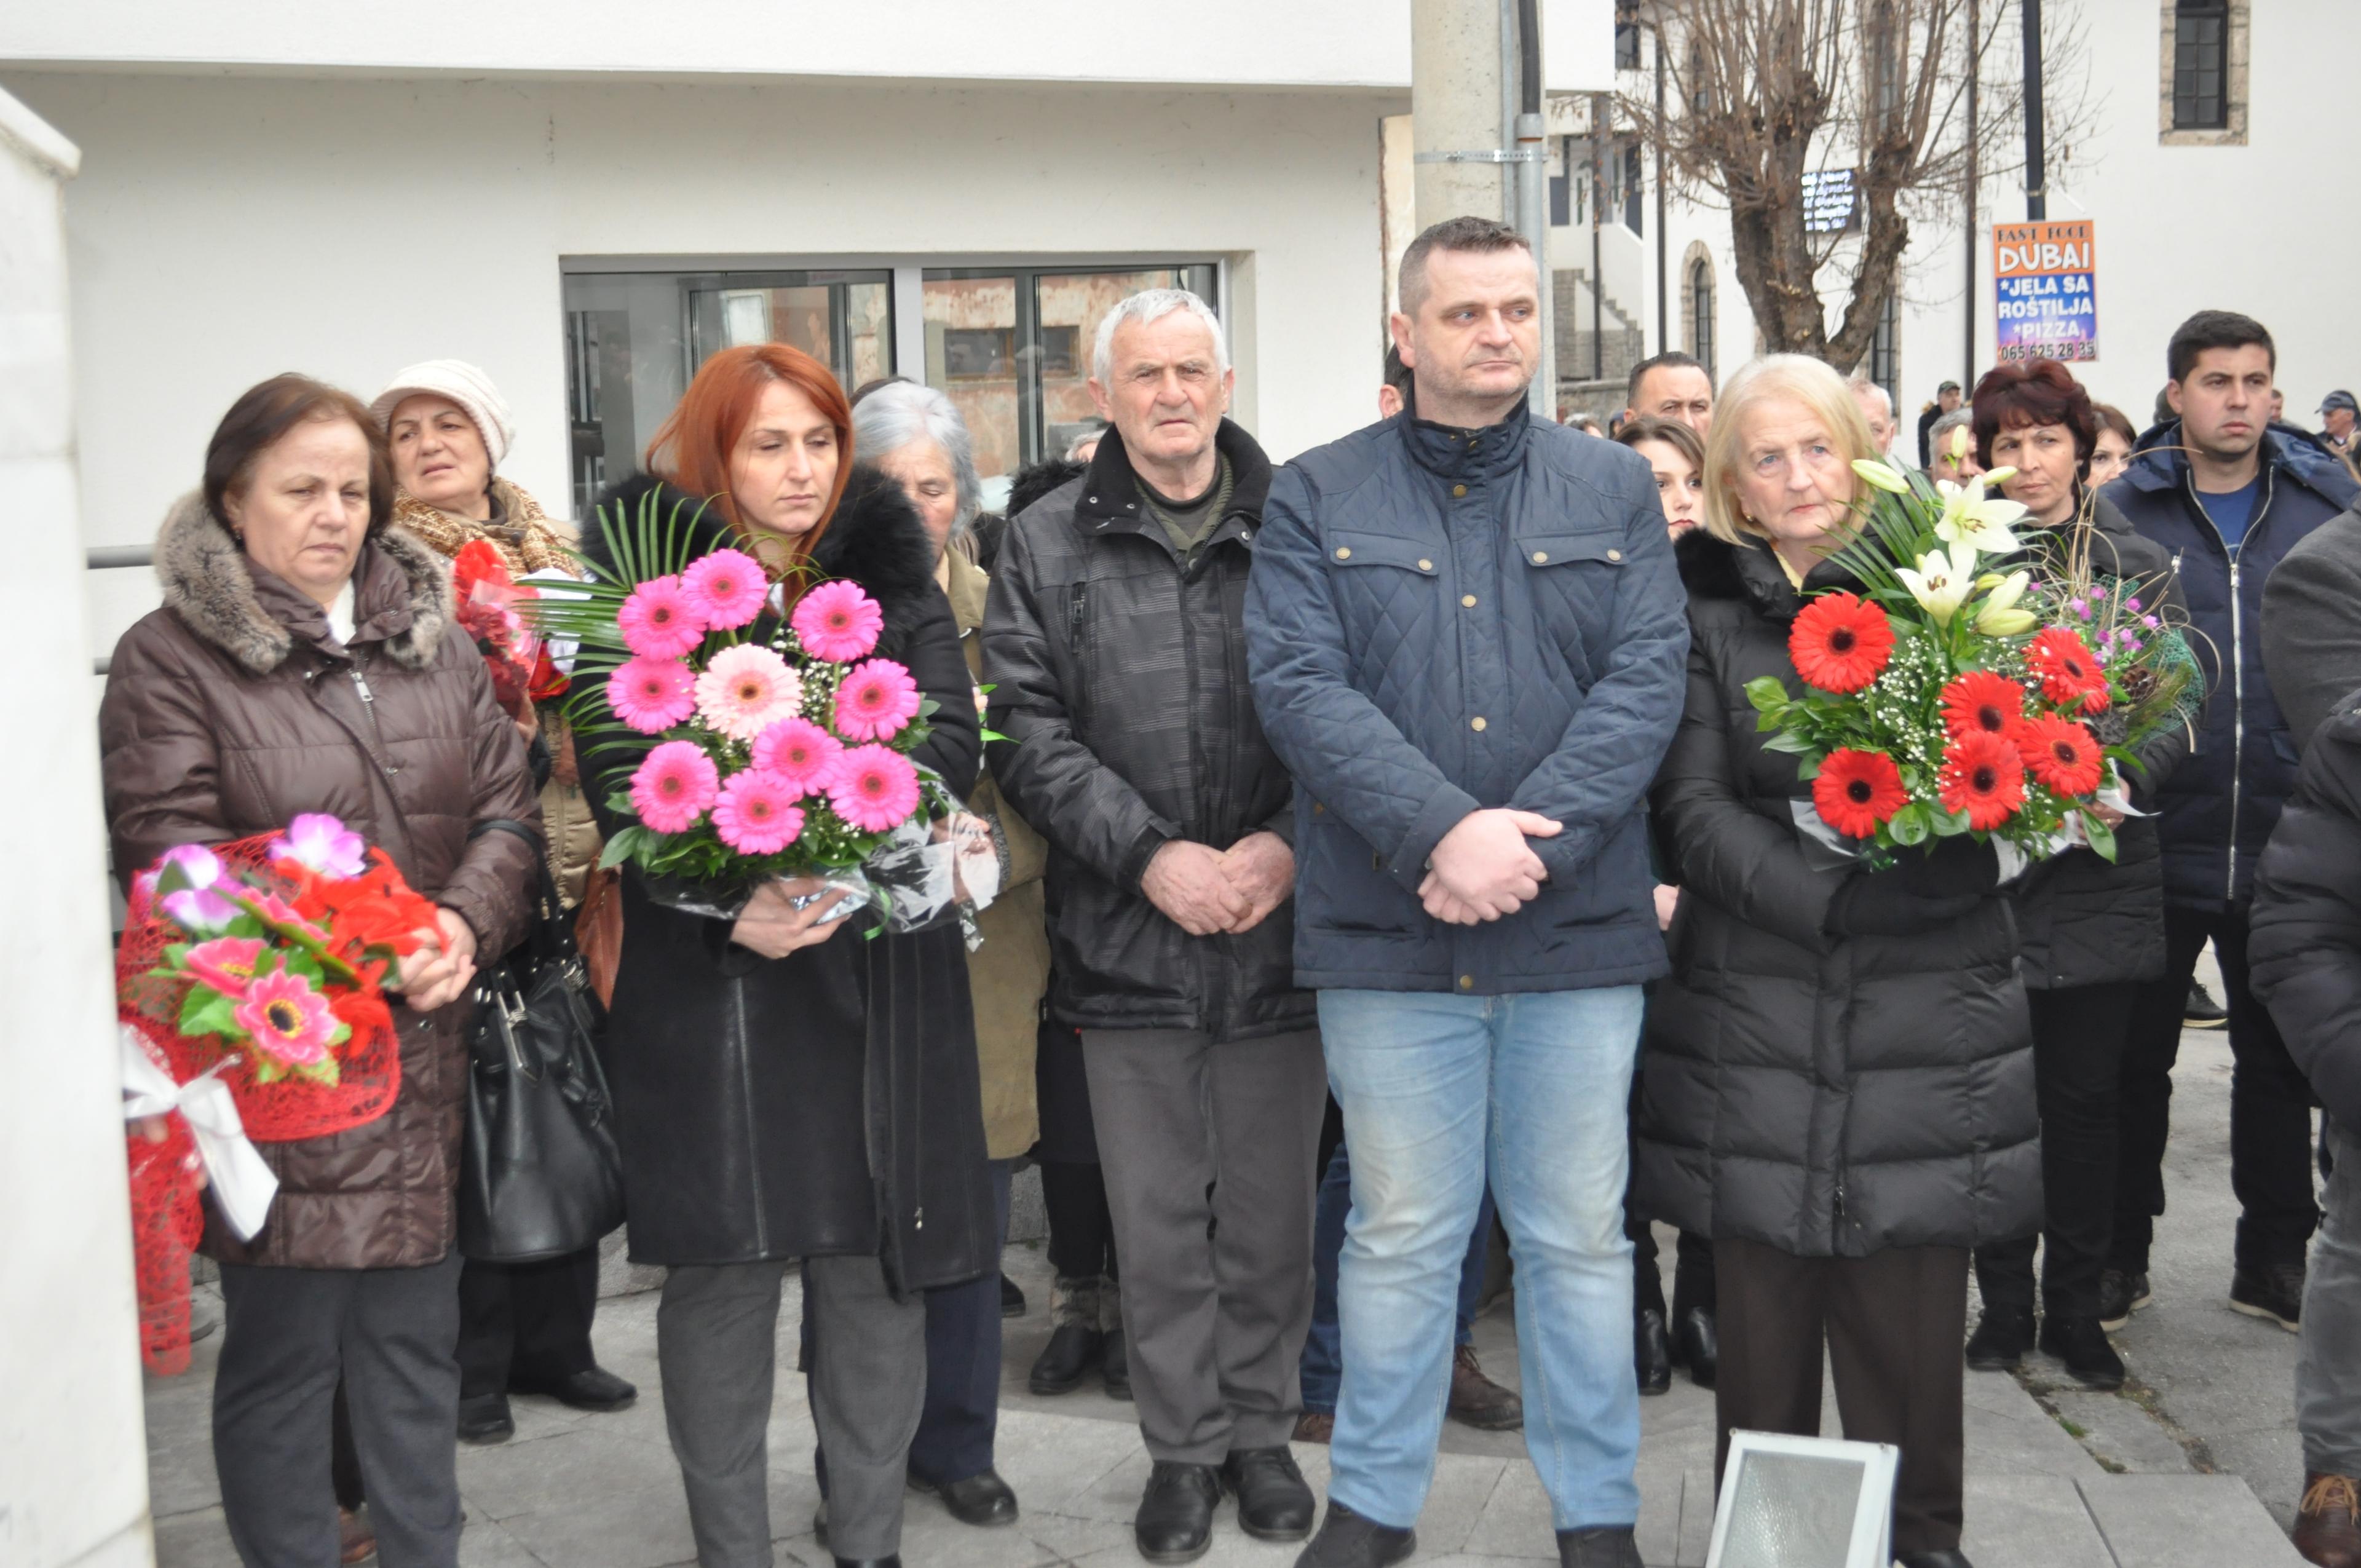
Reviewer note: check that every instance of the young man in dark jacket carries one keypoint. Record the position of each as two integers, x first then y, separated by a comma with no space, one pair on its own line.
1467,640
1115,646
2306,953
2228,498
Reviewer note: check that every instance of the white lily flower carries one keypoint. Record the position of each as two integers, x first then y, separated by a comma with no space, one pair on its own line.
1971,517
1998,615
1884,476
1942,581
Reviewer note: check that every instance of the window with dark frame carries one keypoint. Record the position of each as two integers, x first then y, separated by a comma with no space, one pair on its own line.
1701,314
1885,351
1627,46
2201,65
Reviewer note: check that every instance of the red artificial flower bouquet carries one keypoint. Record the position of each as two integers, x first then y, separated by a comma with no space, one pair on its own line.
489,609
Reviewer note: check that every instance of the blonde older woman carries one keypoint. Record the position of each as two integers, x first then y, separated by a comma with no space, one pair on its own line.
524,1328
1838,1079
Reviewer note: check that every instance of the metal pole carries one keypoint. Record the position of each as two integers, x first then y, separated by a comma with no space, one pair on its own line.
1975,74
1664,265
2037,197
1598,257
1531,181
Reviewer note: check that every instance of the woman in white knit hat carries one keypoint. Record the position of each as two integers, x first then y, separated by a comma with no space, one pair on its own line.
524,1328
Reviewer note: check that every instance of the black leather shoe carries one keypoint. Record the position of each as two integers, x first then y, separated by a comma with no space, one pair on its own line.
1116,1364
1652,1351
1012,1299
982,1500
2082,1345
484,1417
1606,1546
1273,1502
1068,1358
2120,1295
2002,1339
1348,1540
892,1560
1934,1560
2276,1293
1696,1341
2202,1011
1175,1522
592,1388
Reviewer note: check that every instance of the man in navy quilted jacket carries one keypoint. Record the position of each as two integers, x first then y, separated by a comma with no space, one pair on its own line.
1467,640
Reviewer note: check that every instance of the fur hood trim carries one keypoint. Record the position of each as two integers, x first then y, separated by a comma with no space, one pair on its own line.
205,582
874,539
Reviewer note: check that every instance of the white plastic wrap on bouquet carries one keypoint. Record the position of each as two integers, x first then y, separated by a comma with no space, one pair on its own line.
922,873
1825,849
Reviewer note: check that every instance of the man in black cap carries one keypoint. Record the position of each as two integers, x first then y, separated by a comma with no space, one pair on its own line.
2337,413
1947,398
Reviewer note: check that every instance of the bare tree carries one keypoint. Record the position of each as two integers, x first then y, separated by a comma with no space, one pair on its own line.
1765,93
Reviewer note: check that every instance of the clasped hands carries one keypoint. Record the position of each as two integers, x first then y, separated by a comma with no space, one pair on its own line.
1204,890
1484,867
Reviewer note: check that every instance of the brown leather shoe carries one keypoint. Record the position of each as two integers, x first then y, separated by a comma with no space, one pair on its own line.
2326,1525
355,1542
1315,1426
1477,1400
2327,1530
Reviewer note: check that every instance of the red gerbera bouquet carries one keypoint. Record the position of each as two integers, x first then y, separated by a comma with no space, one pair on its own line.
1958,695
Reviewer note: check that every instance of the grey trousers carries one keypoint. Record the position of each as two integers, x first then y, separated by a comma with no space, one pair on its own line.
1215,1322
287,1333
2328,1369
716,1330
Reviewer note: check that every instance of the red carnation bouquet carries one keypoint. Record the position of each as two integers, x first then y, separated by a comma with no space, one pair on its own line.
488,602
260,965
1962,694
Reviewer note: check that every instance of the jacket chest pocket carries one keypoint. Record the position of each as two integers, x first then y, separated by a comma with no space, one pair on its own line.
1572,579
1382,576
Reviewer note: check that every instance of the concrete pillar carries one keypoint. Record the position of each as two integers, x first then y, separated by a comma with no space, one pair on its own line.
1455,106
73,1451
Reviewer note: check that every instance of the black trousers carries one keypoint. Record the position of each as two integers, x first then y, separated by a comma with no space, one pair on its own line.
1892,1323
2078,1064
2270,1105
1081,1229
962,1409
525,1322
287,1336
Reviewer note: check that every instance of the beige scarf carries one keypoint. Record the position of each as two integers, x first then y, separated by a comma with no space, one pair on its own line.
528,539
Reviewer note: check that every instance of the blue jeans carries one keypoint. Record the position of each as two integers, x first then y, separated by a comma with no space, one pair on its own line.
1435,1089
1323,1367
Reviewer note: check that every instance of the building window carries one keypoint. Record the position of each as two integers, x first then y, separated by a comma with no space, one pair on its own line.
1885,351
1697,319
2202,91
1010,346
1627,46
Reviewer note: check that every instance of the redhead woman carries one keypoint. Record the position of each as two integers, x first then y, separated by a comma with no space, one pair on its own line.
784,1088
306,660
1838,1079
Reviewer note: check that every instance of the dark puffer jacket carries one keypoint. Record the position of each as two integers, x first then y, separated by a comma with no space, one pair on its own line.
2311,626
2218,809
1119,676
1829,1096
825,1103
1445,621
2305,951
233,709
2082,920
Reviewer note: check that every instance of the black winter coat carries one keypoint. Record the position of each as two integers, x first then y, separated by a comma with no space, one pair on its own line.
2083,921
1829,1096
2219,809
2304,953
1119,678
826,1102
2311,626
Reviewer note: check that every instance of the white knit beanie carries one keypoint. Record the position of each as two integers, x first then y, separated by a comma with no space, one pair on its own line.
465,384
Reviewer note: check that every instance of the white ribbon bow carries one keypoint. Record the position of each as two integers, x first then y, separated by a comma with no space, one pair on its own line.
243,1185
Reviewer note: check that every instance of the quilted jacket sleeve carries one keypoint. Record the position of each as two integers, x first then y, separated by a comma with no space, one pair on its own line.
159,764
2306,945
1339,745
1599,771
1722,849
1055,781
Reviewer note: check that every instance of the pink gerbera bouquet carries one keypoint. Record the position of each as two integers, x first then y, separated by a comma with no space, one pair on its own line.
769,740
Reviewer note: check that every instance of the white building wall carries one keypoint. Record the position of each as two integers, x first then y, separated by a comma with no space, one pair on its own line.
226,228
73,1453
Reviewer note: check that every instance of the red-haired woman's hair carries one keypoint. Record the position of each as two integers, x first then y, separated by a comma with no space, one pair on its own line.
692,448
2031,392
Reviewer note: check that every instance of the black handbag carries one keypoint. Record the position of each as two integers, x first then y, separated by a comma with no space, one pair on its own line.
539,1174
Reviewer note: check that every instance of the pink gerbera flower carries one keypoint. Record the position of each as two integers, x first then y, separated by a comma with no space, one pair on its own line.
799,752
838,622
672,788
287,1020
757,814
728,588
651,694
324,844
225,964
747,689
660,620
876,701
875,788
